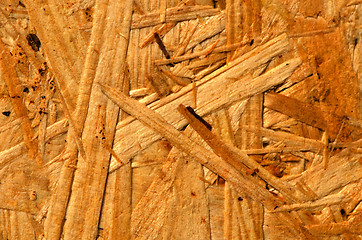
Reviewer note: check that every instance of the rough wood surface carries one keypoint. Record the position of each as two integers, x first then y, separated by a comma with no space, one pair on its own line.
92,145
135,134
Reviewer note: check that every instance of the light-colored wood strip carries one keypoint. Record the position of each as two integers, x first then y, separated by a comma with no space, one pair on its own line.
232,220
216,201
59,201
175,14
99,128
147,100
135,54
140,92
41,136
117,203
208,105
252,116
224,132
145,61
120,221
249,218
258,212
7,67
312,205
163,7
52,112
231,11
121,218
228,212
288,138
325,151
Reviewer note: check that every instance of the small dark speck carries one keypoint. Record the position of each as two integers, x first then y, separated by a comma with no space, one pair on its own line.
275,207
41,71
240,199
251,42
287,64
33,41
6,113
343,212
26,90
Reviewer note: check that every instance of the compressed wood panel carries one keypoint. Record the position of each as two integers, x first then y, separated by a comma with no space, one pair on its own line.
180,119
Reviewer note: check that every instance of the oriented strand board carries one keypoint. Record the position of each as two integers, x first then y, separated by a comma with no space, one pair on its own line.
180,119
